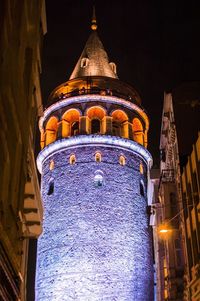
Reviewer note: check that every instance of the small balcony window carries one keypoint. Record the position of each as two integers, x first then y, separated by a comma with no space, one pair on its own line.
122,160
98,157
72,159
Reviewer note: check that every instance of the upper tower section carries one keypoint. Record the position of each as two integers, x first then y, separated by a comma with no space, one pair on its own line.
94,59
94,102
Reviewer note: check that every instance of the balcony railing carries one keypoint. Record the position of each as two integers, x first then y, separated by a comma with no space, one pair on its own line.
92,90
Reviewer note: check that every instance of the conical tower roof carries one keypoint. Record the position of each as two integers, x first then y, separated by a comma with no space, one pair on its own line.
94,71
94,59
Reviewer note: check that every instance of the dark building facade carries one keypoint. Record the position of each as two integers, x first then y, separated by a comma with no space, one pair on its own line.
22,26
95,166
176,201
190,181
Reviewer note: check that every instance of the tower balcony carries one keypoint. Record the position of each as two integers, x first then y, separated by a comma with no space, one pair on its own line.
88,114
91,140
98,85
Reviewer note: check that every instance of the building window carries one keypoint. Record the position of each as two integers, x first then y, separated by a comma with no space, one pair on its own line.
51,187
177,246
84,62
98,157
51,165
122,160
98,178
95,126
142,191
72,159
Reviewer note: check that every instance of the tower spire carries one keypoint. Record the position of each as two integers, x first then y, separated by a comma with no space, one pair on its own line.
94,20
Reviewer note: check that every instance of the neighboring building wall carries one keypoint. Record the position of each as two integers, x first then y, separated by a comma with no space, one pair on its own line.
170,258
191,203
22,26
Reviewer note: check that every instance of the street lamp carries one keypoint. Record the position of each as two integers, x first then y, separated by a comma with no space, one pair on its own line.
164,228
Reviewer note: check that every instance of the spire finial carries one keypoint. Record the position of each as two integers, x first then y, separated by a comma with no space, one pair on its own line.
94,20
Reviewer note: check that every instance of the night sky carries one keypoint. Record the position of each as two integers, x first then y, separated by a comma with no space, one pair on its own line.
155,45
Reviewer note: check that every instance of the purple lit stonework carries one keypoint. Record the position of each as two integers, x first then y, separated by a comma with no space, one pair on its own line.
96,243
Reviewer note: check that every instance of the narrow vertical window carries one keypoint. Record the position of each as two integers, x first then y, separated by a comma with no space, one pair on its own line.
142,189
72,159
51,187
98,157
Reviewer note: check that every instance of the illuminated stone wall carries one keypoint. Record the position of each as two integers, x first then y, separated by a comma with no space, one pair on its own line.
96,243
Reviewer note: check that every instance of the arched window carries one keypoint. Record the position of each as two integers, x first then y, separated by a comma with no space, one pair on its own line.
84,62
96,116
98,178
120,124
122,160
51,130
75,128
51,165
72,159
95,126
98,157
70,123
138,135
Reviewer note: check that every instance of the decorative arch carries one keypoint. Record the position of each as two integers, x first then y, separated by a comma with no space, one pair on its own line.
51,130
138,134
120,123
96,115
70,123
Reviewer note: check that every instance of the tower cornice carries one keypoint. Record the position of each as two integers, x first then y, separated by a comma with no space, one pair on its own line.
91,140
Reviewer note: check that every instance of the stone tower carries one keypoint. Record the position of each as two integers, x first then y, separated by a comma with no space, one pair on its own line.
96,242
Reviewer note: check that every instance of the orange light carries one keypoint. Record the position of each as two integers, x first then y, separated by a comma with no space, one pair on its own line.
164,230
